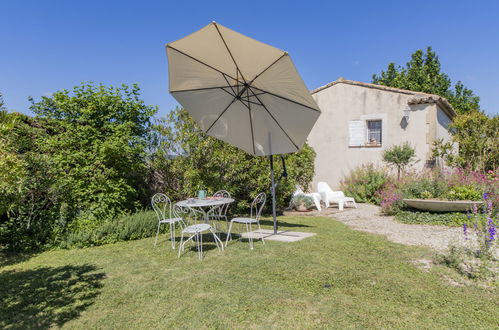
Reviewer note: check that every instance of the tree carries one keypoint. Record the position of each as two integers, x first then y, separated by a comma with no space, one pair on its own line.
477,137
12,168
185,160
423,73
84,161
399,156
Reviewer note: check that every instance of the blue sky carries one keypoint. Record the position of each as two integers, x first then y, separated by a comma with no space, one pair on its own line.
50,45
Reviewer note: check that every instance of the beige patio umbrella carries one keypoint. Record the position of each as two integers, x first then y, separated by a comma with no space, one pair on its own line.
241,91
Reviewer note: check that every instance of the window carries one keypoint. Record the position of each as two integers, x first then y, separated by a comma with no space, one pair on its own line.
374,132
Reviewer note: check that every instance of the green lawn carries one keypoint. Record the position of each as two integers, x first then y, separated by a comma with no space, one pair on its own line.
340,279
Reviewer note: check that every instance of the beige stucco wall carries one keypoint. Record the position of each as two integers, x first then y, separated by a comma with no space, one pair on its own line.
343,102
443,122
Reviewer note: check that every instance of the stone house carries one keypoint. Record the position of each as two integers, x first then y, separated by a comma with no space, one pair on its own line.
360,120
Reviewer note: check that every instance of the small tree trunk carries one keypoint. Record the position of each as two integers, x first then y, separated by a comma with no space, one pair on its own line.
398,172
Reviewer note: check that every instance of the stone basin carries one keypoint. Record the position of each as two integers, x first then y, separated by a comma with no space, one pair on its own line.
435,205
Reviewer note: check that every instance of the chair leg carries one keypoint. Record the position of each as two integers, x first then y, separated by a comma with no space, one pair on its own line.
200,249
228,234
249,237
227,222
261,233
181,247
172,234
217,239
157,233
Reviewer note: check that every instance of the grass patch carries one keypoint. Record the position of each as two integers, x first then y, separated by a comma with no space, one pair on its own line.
339,278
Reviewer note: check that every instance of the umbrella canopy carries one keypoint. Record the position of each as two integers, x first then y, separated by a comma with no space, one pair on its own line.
241,91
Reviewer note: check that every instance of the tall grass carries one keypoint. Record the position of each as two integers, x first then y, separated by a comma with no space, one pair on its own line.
134,226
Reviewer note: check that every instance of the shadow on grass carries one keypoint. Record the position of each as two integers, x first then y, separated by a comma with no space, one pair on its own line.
281,223
8,258
46,297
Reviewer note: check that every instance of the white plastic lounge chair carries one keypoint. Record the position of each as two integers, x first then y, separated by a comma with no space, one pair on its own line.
315,196
330,196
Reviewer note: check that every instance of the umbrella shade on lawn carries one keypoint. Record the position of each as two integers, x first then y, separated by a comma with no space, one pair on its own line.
241,91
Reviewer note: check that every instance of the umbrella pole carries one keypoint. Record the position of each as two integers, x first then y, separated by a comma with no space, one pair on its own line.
272,191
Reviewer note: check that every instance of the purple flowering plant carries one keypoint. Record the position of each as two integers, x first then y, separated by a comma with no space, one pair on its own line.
484,223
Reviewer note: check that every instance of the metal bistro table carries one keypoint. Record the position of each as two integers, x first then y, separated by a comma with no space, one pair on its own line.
204,206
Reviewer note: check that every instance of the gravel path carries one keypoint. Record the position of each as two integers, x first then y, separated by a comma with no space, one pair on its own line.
367,218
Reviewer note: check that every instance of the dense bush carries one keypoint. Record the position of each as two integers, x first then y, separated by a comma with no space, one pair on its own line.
364,182
461,193
185,160
423,187
79,163
478,138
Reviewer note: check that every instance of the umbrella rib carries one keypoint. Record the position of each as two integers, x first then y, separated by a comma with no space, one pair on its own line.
230,53
226,91
195,59
228,84
251,119
285,98
197,89
277,60
220,115
270,114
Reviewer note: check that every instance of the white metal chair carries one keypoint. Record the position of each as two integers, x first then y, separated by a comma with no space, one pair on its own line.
331,196
195,231
255,212
162,205
220,212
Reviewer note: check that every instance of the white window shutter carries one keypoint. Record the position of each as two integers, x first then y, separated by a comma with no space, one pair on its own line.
356,133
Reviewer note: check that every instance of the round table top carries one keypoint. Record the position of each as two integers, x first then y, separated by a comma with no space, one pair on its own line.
196,202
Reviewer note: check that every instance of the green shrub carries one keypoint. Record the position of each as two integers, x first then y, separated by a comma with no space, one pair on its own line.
425,188
364,182
307,201
79,163
462,193
454,219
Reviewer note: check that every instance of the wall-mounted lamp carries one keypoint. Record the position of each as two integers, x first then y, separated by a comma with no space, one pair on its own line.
407,111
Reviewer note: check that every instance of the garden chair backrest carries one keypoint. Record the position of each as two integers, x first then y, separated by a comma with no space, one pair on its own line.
162,205
222,193
222,209
257,206
324,187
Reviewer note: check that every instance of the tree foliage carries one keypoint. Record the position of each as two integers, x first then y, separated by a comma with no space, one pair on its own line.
423,73
477,137
185,160
399,156
81,163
